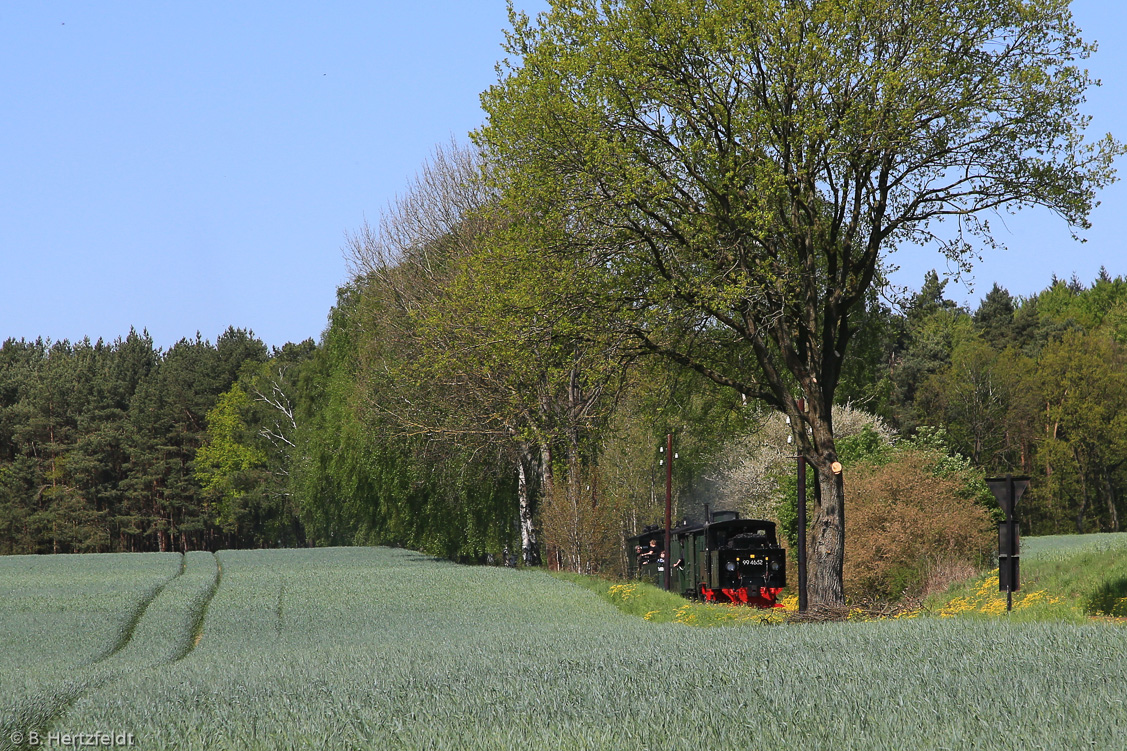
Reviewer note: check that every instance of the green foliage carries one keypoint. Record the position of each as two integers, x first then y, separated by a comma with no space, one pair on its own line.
1099,308
973,394
995,318
225,464
866,447
360,480
865,378
787,510
1034,388
734,178
1084,407
933,330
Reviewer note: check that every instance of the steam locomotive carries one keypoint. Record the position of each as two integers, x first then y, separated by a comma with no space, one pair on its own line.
725,559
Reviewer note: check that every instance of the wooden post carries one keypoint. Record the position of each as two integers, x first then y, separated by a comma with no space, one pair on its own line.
668,507
802,597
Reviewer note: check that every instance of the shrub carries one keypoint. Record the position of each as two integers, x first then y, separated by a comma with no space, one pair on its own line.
910,524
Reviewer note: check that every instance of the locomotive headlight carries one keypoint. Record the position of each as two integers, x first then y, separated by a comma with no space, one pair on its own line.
774,565
730,565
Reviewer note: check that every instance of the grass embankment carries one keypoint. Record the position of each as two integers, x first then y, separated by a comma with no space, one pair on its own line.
1069,578
1063,578
657,605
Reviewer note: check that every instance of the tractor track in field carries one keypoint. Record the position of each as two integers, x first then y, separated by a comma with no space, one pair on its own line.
200,613
278,608
40,714
139,611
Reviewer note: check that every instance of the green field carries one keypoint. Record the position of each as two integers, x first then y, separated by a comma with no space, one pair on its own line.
377,648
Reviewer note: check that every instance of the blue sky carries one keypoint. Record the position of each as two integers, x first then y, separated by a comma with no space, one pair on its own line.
184,167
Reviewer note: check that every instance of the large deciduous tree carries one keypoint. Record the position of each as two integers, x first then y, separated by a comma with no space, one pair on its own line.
739,169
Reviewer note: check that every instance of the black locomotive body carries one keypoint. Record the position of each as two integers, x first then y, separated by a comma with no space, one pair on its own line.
726,559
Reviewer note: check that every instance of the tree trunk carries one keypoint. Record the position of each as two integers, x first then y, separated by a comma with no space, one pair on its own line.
530,552
546,476
828,544
828,552
1083,494
573,499
1110,496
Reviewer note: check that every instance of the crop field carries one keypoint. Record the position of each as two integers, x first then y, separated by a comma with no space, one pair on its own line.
1060,546
378,648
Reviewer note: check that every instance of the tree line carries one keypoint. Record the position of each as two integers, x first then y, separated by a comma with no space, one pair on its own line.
727,180
1032,386
376,434
397,429
99,442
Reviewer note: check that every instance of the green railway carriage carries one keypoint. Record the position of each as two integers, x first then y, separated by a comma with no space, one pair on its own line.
644,556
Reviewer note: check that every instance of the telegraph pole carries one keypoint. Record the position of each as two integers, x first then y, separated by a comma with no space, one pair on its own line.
801,533
668,508
802,599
